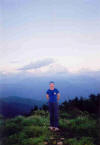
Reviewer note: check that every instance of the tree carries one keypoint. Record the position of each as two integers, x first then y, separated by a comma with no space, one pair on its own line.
35,108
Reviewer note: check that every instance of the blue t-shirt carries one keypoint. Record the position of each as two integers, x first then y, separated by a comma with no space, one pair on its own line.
52,95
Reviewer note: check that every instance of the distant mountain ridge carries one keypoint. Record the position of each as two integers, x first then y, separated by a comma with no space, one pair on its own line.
13,105
36,87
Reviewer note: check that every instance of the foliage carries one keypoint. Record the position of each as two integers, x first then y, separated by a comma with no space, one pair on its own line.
81,141
79,125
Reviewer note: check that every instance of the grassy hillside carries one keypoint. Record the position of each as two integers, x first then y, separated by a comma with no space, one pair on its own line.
76,128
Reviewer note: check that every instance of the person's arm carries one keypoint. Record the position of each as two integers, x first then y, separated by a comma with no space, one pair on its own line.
47,96
58,96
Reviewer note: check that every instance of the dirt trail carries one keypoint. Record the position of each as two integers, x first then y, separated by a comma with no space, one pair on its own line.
56,138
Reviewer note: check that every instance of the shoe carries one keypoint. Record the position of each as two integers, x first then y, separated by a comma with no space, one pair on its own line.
56,128
51,127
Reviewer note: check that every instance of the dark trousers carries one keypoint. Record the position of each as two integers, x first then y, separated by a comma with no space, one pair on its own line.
54,113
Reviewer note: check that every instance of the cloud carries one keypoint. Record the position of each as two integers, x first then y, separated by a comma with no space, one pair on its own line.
56,69
15,61
38,64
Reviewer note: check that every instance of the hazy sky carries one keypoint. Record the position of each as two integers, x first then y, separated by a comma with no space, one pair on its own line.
42,36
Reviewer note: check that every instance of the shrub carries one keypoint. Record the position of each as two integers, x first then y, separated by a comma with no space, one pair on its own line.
81,141
36,120
11,140
33,141
34,131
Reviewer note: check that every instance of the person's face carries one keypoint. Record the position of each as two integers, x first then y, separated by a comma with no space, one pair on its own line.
51,85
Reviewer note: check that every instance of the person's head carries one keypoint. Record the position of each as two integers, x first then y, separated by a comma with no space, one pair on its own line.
51,85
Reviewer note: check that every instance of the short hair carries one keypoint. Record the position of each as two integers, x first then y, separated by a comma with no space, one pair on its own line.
51,82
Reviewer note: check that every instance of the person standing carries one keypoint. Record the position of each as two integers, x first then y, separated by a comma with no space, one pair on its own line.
53,97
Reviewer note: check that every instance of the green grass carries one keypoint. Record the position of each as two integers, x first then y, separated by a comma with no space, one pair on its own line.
81,141
81,129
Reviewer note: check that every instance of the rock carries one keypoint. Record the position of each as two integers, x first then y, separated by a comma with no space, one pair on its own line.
51,138
45,142
62,138
60,143
54,142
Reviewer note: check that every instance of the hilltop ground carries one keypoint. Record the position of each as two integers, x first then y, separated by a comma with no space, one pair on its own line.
76,128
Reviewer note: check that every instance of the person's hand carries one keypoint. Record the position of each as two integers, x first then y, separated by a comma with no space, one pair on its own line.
58,96
47,96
